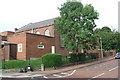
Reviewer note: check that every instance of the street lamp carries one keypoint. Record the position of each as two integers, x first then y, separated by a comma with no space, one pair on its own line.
101,47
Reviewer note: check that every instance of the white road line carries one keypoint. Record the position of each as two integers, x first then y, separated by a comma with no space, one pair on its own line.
113,68
64,73
57,75
98,75
45,77
62,76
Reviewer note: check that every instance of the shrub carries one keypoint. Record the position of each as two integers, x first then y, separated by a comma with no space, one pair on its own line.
52,60
81,56
93,56
72,57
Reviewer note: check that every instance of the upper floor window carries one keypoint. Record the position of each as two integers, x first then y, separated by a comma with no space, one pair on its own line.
47,32
61,41
37,32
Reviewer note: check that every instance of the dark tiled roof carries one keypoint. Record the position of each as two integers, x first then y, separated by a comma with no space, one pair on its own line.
37,25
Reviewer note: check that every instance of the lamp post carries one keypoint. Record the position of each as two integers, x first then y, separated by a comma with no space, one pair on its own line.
101,47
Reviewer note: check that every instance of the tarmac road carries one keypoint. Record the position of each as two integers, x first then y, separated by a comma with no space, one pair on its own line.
107,70
102,71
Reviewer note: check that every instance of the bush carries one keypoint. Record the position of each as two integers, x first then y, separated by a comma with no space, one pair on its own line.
72,57
93,56
81,56
52,60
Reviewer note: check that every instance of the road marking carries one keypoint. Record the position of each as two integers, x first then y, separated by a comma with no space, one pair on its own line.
45,77
98,75
57,75
64,73
61,76
113,68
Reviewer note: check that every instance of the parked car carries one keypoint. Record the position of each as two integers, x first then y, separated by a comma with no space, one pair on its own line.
117,56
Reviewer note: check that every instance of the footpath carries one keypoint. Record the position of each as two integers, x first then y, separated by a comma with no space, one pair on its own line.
54,71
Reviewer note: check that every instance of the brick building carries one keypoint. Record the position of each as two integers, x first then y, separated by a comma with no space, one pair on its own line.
31,41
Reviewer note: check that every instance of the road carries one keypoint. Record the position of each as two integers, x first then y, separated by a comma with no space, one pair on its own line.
102,71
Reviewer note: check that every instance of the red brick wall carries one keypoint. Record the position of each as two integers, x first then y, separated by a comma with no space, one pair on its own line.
59,49
19,39
6,33
32,45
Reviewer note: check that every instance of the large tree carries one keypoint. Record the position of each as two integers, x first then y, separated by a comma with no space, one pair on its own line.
75,25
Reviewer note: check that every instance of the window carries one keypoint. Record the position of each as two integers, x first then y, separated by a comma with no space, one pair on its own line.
19,47
37,32
47,32
61,41
41,46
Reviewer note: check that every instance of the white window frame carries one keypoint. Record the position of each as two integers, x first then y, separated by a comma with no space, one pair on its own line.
20,46
47,32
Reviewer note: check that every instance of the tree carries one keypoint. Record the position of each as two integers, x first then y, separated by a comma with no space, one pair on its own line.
106,29
110,39
75,25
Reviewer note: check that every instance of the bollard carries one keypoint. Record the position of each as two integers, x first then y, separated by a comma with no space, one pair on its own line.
42,67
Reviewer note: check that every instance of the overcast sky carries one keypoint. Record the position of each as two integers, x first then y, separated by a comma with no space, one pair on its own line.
17,13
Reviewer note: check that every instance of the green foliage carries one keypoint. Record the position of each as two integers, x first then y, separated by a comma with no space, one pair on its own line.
14,64
81,56
65,60
75,25
94,56
72,57
88,58
110,39
106,29
52,60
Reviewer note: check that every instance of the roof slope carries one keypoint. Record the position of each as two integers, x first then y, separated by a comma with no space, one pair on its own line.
36,25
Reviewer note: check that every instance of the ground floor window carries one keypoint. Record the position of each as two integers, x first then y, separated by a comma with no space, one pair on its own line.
19,47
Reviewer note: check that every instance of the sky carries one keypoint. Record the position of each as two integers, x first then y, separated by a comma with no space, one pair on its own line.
17,13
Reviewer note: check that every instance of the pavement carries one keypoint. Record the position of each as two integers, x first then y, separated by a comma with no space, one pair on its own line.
50,72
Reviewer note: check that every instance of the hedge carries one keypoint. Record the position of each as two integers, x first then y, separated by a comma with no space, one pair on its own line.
72,57
52,60
94,56
81,56
14,64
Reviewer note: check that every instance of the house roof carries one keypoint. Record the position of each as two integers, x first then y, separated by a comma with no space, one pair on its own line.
36,25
